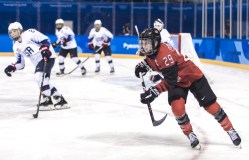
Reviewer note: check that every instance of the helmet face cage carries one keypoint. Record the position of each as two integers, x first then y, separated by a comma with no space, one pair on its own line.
149,41
97,25
59,23
158,24
147,46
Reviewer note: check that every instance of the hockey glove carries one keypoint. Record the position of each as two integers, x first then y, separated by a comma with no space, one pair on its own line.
9,69
149,95
90,46
46,53
141,67
64,42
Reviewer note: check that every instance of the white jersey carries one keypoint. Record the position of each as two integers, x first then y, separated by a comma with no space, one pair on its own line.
165,37
99,37
29,47
66,33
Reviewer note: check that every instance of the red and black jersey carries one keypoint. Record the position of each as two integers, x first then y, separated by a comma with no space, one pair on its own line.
176,69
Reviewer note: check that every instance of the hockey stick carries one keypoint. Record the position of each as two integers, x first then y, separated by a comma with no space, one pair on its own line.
77,66
154,122
98,49
137,30
138,51
39,101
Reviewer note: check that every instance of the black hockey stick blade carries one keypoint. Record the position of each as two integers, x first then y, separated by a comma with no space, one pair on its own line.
35,115
154,122
37,111
157,123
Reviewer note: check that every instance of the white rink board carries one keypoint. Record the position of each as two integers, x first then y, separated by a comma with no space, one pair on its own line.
107,121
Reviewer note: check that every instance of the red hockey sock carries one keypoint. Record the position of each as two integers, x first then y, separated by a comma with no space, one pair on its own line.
220,115
178,109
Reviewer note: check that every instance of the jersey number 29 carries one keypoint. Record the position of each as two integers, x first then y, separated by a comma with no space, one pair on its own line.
168,60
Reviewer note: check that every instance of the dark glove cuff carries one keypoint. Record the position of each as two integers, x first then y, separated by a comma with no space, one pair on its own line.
44,47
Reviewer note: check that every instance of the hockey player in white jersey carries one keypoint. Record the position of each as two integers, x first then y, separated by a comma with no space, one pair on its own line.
36,46
99,40
165,36
65,38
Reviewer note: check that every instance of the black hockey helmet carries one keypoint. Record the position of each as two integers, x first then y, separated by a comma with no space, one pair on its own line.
149,41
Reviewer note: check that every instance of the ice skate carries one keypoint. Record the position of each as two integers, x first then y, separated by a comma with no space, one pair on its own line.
61,103
234,137
61,73
46,104
112,70
97,70
83,71
194,141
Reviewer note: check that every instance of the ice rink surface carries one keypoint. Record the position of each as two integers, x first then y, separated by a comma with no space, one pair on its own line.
107,121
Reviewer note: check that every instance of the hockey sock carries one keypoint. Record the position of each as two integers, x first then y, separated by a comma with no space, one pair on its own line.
61,63
77,61
109,60
220,115
178,109
97,60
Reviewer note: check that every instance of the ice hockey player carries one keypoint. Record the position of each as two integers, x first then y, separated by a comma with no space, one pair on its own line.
36,46
65,38
165,38
180,76
99,40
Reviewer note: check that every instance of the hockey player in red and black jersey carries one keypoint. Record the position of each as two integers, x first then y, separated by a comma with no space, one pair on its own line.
180,75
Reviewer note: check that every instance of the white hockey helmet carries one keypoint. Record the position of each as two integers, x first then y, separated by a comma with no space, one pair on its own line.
97,25
17,27
158,24
59,21
98,22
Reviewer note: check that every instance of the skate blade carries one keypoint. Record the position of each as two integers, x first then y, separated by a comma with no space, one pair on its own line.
48,108
62,107
62,75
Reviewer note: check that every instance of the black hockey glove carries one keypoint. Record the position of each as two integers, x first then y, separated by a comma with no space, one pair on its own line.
149,95
141,67
9,69
46,53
